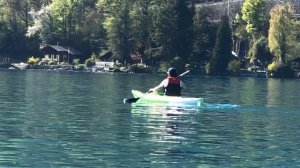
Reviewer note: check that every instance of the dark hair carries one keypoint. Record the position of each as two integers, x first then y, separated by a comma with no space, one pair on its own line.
172,72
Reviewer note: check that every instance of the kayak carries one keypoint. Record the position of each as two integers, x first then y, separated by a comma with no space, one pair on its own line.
156,99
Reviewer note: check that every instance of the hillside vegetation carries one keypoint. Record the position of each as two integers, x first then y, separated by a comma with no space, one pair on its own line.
185,33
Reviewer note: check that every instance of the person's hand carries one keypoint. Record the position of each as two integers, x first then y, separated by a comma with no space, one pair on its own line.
151,90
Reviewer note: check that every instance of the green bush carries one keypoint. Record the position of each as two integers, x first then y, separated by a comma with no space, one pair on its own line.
52,62
89,62
234,66
273,66
284,71
138,68
76,61
177,63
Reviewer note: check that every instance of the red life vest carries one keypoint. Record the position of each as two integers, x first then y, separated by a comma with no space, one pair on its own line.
173,88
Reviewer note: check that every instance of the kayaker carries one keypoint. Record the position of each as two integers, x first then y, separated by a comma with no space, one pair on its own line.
172,85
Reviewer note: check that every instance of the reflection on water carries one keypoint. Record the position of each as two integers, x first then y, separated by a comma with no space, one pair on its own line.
182,136
227,137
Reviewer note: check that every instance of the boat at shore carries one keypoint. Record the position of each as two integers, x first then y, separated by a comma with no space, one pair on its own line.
20,65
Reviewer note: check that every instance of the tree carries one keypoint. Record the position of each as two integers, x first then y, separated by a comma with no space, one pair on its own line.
222,51
259,54
239,33
42,26
162,30
14,19
254,16
117,25
204,36
280,32
184,30
140,26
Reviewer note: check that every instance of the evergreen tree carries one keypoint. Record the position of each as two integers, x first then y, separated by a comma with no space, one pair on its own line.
184,31
222,51
117,24
162,30
203,43
140,26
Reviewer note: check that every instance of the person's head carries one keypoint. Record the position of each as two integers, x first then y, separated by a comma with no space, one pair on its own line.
172,72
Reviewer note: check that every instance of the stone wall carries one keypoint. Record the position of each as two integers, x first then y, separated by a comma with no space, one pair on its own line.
216,10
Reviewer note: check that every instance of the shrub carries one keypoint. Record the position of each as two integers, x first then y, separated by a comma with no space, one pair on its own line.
273,66
177,63
234,66
89,62
33,60
79,67
284,71
52,62
76,61
280,70
138,68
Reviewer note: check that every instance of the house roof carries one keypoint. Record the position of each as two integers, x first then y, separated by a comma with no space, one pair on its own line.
61,49
107,56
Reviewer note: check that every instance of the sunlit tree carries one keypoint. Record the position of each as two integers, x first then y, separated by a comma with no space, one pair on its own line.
254,15
280,32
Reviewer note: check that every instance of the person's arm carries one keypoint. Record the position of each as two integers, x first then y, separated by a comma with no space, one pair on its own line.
158,87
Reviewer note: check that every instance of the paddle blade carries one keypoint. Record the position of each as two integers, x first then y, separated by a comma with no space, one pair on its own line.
132,100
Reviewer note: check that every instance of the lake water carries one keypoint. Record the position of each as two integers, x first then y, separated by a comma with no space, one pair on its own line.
69,119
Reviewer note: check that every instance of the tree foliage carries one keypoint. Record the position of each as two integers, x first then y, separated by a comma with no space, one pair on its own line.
222,51
204,36
280,32
161,32
259,53
14,19
117,25
162,29
140,26
184,32
254,16
239,33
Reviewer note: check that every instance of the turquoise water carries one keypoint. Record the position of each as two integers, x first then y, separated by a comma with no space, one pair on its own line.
67,119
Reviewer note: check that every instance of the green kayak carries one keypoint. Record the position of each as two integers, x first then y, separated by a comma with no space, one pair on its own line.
156,99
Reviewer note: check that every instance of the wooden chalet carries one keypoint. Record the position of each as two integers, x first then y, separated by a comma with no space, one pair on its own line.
59,53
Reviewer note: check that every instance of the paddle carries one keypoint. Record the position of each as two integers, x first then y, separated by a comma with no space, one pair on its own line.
133,100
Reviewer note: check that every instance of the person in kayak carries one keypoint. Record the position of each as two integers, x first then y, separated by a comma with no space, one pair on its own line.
172,85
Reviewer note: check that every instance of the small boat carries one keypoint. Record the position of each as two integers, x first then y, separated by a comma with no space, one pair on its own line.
156,99
20,65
